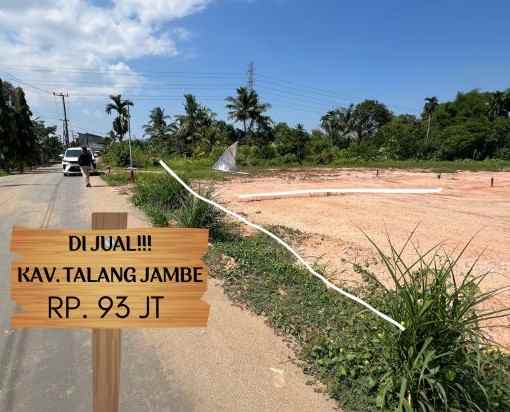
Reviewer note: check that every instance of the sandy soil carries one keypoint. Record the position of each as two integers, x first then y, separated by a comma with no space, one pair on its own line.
467,207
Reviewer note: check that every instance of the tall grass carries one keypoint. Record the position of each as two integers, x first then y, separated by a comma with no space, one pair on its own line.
196,213
159,196
434,365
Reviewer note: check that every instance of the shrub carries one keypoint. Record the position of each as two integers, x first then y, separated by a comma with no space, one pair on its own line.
118,154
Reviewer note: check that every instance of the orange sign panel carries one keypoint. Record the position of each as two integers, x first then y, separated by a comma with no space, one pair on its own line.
118,278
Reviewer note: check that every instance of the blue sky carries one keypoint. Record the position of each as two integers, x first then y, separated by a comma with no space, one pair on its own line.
309,56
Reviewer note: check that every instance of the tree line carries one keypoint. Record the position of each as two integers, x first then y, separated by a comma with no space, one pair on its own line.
24,141
475,125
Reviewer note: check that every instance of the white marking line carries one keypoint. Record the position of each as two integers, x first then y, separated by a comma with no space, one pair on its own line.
285,245
311,192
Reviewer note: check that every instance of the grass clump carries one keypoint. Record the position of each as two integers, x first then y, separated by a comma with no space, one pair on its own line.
166,202
195,213
435,364
158,196
442,362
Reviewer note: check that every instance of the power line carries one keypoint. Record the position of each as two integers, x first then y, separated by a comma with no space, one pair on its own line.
323,92
138,73
25,83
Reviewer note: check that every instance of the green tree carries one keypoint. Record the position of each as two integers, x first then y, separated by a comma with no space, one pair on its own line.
121,108
291,142
400,139
472,139
25,148
367,117
499,104
246,109
339,125
48,144
7,129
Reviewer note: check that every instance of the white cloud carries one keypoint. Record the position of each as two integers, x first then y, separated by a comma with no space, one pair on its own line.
60,35
158,10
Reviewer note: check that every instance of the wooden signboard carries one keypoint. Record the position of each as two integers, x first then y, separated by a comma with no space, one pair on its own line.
107,279
127,278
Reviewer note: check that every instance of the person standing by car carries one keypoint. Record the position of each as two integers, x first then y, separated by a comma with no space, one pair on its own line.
85,163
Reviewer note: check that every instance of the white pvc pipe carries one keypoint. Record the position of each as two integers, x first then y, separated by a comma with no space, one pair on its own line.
327,192
285,245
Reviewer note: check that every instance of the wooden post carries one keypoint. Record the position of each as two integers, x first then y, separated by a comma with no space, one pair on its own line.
106,343
492,182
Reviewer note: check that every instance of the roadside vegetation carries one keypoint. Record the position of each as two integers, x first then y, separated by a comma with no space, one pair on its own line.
442,362
24,141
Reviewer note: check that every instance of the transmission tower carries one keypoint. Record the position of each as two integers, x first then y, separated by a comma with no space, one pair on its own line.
251,76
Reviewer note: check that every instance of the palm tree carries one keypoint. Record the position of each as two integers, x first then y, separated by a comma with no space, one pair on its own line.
431,104
157,126
246,109
338,124
121,107
191,124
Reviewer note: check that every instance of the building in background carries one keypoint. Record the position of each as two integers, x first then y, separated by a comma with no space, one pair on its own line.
95,142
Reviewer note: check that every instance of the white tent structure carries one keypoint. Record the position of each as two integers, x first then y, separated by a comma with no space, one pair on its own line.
227,161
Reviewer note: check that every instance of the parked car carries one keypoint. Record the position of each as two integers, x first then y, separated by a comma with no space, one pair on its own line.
70,161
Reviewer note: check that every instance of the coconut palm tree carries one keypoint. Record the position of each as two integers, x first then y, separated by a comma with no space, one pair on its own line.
247,109
190,125
157,126
121,107
431,104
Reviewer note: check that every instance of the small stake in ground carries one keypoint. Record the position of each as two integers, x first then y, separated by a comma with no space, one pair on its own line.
439,176
131,175
377,172
492,182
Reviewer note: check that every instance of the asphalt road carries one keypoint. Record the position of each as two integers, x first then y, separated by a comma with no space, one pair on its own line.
50,369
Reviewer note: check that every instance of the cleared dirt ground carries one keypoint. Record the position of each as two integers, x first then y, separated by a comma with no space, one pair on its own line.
467,207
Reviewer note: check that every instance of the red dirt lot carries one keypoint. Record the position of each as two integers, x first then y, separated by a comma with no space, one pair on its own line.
467,207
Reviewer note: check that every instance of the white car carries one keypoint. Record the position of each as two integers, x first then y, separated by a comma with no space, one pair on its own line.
70,164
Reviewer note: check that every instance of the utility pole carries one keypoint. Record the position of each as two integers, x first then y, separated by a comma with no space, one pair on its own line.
65,130
251,76
131,172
